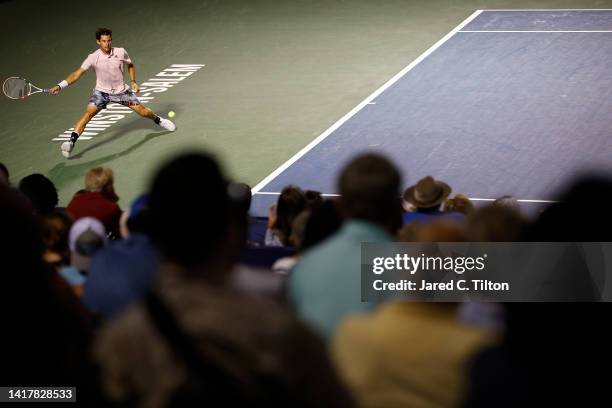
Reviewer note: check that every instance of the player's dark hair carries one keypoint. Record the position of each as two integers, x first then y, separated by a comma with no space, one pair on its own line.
103,31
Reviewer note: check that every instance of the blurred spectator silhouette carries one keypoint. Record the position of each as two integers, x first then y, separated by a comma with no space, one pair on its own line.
550,349
508,202
40,191
290,204
195,341
87,237
495,223
324,220
121,273
48,331
407,354
55,228
325,285
459,204
423,200
98,200
4,175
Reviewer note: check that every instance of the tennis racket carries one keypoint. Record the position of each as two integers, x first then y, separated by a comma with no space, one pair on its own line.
20,88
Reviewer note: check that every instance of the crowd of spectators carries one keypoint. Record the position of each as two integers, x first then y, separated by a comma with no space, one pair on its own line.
156,305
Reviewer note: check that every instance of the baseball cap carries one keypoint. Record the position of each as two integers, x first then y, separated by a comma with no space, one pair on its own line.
87,235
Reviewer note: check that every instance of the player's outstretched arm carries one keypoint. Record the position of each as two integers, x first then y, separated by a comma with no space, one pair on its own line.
70,79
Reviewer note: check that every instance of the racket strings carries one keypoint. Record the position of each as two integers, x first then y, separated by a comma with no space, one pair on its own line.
15,88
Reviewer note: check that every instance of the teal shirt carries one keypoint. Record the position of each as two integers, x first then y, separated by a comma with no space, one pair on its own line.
325,286
72,275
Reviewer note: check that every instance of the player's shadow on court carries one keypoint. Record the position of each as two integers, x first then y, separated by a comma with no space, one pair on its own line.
62,173
104,140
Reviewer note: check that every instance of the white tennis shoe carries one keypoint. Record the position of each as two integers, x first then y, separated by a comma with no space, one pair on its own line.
67,148
167,124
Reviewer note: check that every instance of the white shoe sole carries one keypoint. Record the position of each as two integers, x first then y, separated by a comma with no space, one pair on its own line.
167,124
66,149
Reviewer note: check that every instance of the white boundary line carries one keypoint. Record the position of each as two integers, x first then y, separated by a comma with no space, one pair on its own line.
535,31
487,10
368,100
365,102
470,198
539,31
519,200
271,193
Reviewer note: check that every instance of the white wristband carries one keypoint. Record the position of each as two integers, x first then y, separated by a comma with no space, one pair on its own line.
63,84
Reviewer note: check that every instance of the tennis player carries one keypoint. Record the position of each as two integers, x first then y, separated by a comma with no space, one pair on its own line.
108,62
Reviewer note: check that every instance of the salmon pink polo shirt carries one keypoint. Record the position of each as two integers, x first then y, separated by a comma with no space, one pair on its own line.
109,69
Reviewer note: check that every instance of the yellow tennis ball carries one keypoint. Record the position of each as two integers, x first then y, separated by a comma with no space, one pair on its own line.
171,114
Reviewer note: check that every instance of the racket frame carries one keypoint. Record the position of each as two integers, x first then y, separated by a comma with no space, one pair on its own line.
30,87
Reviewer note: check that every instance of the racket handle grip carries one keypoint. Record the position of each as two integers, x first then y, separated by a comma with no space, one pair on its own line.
46,90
